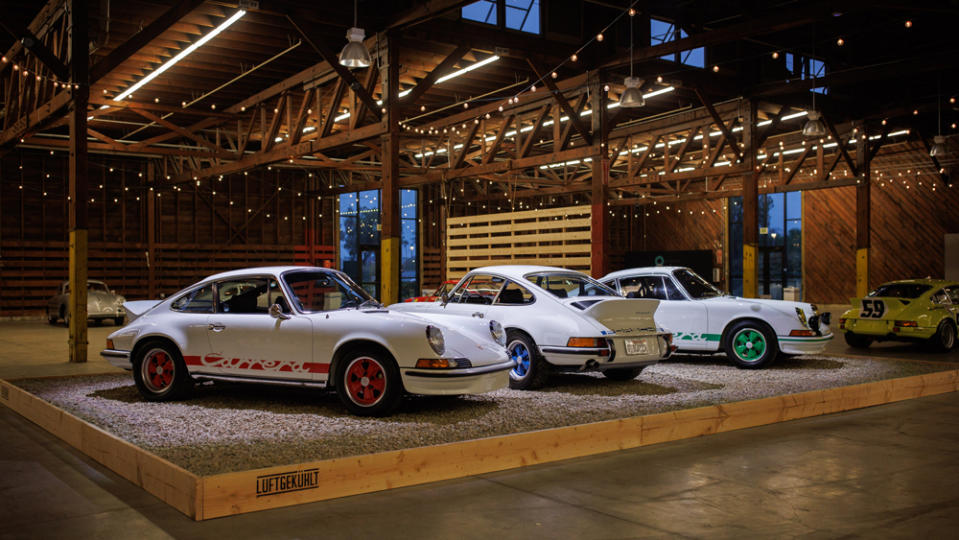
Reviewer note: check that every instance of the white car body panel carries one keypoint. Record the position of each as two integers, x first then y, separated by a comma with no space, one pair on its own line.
552,321
258,346
698,324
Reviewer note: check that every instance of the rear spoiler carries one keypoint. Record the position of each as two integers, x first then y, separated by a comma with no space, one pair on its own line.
138,307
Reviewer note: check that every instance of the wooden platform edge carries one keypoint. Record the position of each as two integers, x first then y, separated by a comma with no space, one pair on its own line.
273,487
170,483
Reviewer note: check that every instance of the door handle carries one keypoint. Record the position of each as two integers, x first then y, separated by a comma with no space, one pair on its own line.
478,314
217,327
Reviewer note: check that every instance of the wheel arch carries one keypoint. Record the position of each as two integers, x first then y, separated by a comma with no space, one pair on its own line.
347,346
754,320
143,342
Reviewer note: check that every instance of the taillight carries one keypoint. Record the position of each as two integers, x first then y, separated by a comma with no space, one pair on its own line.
802,333
842,323
109,343
907,324
585,342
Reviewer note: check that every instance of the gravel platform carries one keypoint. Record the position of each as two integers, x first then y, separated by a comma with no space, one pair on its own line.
233,427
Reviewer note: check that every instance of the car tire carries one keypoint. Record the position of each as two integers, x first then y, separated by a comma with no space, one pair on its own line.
945,337
622,374
857,341
530,370
160,373
750,344
368,382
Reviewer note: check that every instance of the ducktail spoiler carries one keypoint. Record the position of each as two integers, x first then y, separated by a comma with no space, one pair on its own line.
138,307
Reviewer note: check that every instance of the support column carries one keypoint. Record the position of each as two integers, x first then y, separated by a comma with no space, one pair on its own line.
151,254
863,188
750,204
79,70
390,196
599,260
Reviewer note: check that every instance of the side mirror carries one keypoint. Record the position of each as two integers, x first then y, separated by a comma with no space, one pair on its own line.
277,312
445,298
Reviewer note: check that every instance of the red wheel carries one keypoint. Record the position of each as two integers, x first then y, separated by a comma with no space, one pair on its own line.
368,382
365,381
159,372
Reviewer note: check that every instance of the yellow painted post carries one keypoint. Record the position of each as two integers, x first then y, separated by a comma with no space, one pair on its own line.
862,272
390,270
750,271
750,206
390,193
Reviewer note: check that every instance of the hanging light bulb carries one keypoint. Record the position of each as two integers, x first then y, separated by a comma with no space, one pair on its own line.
354,53
632,98
938,142
814,125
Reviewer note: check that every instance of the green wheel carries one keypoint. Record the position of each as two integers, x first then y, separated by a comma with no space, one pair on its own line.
751,344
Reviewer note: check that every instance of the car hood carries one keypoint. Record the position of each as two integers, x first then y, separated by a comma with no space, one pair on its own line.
101,297
785,307
461,333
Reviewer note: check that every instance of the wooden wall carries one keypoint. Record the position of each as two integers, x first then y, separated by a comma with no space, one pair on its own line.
272,220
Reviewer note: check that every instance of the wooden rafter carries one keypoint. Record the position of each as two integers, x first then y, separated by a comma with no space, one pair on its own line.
427,82
563,103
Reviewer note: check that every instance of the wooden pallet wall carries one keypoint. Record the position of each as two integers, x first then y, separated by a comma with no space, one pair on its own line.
551,237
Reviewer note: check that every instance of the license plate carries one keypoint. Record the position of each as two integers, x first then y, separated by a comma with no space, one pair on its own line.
874,327
637,346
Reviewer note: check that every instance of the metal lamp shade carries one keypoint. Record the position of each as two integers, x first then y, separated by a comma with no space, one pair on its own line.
632,97
354,54
938,146
814,126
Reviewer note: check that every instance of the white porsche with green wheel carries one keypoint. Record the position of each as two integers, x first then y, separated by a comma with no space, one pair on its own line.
751,331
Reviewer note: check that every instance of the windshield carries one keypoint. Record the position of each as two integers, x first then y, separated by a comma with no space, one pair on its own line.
325,291
901,290
695,285
567,285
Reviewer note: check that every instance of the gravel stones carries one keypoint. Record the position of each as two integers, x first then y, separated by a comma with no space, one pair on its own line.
230,427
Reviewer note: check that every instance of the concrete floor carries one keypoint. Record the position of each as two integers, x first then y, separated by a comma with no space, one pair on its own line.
886,471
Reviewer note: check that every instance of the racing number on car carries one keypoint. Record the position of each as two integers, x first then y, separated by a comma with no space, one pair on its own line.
873,309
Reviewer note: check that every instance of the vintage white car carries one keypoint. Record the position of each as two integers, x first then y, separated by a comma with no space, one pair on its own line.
751,331
557,319
304,326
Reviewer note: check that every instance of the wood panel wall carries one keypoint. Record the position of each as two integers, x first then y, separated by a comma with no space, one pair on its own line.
273,219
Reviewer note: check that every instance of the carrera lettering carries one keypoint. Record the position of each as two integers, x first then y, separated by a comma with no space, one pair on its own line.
274,484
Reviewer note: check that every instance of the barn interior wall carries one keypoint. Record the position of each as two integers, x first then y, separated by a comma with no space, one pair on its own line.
273,219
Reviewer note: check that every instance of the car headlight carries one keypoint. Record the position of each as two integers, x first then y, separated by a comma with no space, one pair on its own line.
496,330
435,337
802,316
119,300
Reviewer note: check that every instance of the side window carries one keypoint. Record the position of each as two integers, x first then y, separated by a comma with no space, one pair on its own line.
243,296
643,287
611,283
953,293
481,289
514,294
672,292
940,297
196,301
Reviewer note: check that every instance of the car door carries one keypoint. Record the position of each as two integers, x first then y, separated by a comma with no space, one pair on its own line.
685,319
246,341
193,309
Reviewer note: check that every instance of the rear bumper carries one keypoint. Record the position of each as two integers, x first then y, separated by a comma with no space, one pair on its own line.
601,359
888,330
120,359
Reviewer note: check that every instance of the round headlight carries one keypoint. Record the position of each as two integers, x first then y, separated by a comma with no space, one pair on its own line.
496,330
435,336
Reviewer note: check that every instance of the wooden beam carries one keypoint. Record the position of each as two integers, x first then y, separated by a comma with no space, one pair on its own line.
719,121
457,161
841,145
427,82
531,137
139,40
334,108
558,96
179,130
38,118
863,221
507,120
38,26
78,188
33,44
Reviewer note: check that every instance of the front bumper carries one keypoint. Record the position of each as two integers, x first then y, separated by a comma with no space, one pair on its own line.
804,345
474,380
120,359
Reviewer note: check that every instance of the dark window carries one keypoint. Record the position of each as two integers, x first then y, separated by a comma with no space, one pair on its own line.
672,292
481,289
196,301
940,297
643,287
661,32
514,294
324,291
953,293
251,295
900,290
483,11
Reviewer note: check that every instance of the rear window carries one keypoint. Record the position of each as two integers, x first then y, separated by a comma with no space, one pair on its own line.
901,290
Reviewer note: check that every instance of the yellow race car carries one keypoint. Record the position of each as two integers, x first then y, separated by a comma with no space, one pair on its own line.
919,310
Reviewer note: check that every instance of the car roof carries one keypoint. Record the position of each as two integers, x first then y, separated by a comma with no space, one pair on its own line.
519,271
276,270
643,271
922,281
88,282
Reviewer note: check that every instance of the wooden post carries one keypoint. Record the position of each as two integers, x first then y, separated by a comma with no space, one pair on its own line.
79,68
750,204
151,254
390,197
863,163
599,260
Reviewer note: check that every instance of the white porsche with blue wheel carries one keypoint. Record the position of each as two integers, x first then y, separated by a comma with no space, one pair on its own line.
751,331
557,320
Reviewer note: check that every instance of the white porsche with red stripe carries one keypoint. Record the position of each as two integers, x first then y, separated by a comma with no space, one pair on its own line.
304,326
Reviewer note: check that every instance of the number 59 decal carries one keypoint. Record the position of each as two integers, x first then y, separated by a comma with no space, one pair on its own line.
872,309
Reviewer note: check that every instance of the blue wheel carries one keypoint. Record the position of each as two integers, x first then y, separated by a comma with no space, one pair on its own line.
529,369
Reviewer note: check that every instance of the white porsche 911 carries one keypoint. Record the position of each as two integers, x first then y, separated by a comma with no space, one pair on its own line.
304,326
557,319
751,331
